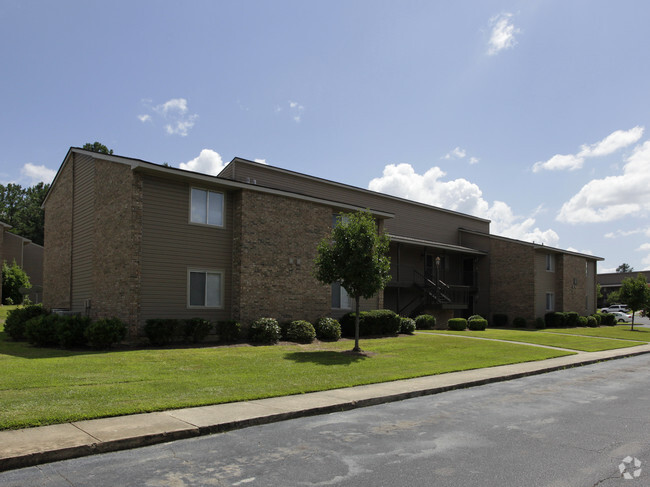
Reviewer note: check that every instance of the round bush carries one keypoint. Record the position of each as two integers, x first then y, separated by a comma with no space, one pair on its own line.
572,319
519,322
160,331
196,329
42,330
457,324
265,330
477,323
608,319
598,317
499,320
71,329
407,326
328,329
301,331
105,333
425,322
16,319
591,322
540,324
582,321
228,330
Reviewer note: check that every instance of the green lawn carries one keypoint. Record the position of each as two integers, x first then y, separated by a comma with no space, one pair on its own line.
620,331
541,337
3,314
43,386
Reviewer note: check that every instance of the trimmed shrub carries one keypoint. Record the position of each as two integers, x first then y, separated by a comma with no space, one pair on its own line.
582,321
591,322
407,326
301,331
328,329
284,327
477,323
540,324
196,329
554,320
71,329
519,322
499,320
425,322
597,317
265,330
16,319
571,319
42,330
103,334
228,330
160,331
457,324
381,322
608,319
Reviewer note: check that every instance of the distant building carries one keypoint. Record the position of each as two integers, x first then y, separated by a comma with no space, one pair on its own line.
611,282
27,255
137,240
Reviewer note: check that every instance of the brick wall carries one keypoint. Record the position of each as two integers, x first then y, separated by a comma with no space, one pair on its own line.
275,241
116,243
512,279
572,284
57,248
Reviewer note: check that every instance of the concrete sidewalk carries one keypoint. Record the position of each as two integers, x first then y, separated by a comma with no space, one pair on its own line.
32,446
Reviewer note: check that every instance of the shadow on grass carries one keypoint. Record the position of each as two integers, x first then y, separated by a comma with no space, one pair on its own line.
25,350
326,357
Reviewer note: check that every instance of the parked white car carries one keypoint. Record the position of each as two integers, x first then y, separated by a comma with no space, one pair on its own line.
616,307
622,317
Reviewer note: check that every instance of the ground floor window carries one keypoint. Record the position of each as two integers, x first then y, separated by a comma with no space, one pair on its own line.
205,289
550,302
340,298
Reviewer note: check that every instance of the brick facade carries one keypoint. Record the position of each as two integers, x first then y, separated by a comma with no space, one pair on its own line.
275,242
57,264
572,284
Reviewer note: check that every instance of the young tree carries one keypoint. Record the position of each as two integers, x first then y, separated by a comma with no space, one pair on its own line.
624,268
13,278
635,294
355,255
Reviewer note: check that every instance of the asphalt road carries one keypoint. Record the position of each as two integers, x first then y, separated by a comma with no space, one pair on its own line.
568,428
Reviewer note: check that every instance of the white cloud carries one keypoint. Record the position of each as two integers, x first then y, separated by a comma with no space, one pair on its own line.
37,174
613,197
613,142
473,160
208,162
296,111
456,153
503,34
627,233
174,113
458,195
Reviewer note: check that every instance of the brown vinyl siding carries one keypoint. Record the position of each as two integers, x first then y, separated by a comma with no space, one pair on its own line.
82,231
13,249
171,245
545,282
411,219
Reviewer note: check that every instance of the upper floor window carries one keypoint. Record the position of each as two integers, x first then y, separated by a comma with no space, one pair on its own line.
207,207
550,262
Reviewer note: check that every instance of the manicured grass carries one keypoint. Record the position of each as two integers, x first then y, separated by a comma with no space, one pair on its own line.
577,342
3,314
620,331
43,386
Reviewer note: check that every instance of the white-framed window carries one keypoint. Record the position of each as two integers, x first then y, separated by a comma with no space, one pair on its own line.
550,302
550,262
206,207
204,288
340,298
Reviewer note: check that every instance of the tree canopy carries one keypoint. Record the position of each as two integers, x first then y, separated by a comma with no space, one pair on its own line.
21,208
97,147
624,268
635,294
13,279
356,256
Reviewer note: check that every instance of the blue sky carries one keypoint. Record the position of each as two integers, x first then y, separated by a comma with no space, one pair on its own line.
534,114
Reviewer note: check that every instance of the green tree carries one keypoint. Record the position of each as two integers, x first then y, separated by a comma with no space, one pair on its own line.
13,278
355,255
624,268
635,294
21,208
97,147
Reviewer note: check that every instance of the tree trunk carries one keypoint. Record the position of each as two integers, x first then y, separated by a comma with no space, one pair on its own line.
632,328
356,327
